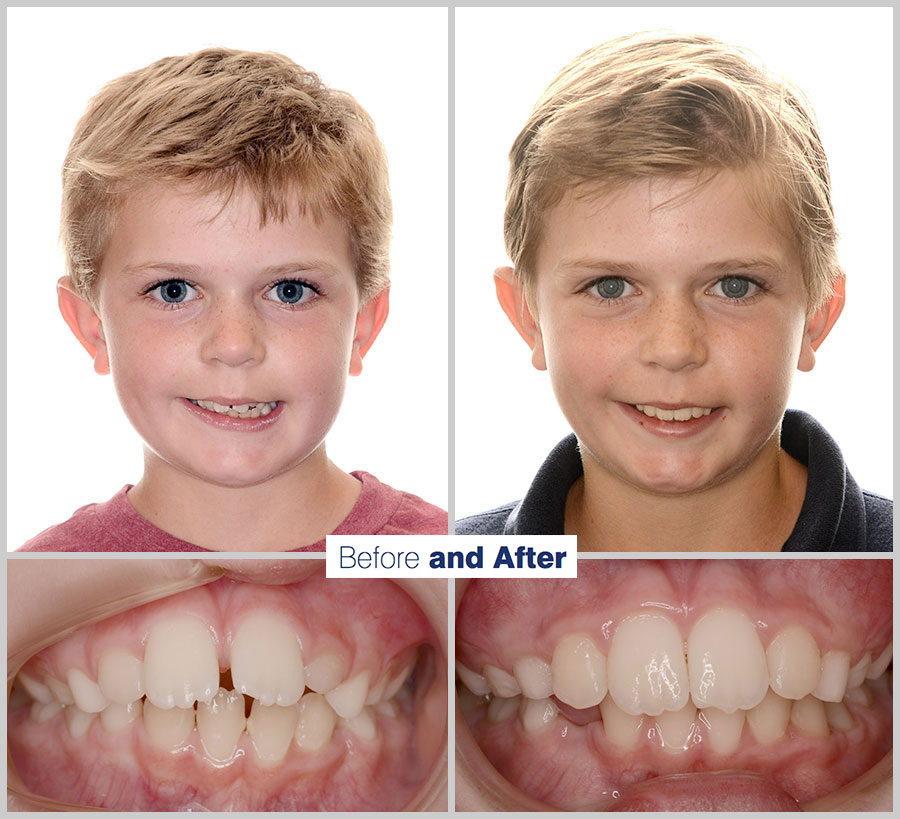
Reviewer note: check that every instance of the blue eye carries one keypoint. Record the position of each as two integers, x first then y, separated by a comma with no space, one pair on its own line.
736,287
612,287
291,291
173,291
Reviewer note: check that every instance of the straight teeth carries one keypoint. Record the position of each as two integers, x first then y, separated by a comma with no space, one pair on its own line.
681,414
237,410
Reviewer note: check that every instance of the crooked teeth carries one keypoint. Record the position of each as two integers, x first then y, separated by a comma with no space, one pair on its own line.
502,683
534,677
348,698
623,730
38,691
180,663
88,696
266,661
116,718
315,724
880,665
120,676
77,721
271,729
769,719
167,728
537,714
324,672
681,414
237,410
362,725
674,728
220,723
724,730
579,672
808,715
833,677
793,659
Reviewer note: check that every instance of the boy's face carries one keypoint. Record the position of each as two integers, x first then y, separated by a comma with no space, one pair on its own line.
696,304
197,303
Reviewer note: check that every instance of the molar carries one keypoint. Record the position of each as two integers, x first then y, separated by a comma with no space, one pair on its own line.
362,725
271,729
315,724
43,711
120,676
501,709
392,689
348,698
502,683
220,723
579,671
646,671
726,661
180,663
115,718
833,676
473,681
793,660
623,730
808,715
77,721
724,729
537,714
167,728
266,661
534,677
325,672
36,689
674,728
768,721
88,696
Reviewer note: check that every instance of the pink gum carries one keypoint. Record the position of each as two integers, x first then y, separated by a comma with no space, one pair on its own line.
845,604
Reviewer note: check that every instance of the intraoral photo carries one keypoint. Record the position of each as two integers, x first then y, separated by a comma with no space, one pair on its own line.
735,685
242,685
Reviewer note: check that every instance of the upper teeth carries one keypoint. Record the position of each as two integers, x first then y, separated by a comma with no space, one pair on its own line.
681,414
237,410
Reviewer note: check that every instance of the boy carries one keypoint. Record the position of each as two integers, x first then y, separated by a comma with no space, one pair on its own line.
670,225
226,221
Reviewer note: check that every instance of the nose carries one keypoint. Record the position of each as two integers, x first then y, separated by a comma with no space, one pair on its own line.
675,334
233,335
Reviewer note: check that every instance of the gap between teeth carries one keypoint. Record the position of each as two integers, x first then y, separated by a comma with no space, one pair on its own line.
237,410
680,414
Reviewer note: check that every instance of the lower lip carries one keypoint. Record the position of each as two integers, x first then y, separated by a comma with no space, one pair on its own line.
230,424
672,429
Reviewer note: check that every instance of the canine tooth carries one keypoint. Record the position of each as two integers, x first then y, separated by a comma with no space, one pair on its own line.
858,672
266,661
315,724
376,692
833,676
362,725
348,698
724,729
220,723
60,690
393,687
838,716
120,676
646,671
880,665
674,728
579,671
726,662
476,683
87,694
36,689
534,677
861,695
180,663
808,715
501,709
769,720
623,730
271,729
77,721
43,711
537,714
324,672
168,728
793,660
501,682
115,718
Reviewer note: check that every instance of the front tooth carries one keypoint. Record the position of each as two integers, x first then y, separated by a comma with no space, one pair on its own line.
808,715
324,672
579,671
880,665
665,415
534,677
646,670
180,663
271,729
724,729
502,683
833,677
362,725
674,728
793,660
77,721
726,661
683,414
839,716
622,730
315,724
115,718
36,689
60,690
43,711
168,728
120,676
858,672
266,661
88,696
220,723
768,721
348,698
537,714
501,709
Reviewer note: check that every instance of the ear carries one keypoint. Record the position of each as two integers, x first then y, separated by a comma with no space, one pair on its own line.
819,326
511,296
369,321
84,322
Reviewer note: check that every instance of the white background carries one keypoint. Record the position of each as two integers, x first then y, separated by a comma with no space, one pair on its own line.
68,441
506,417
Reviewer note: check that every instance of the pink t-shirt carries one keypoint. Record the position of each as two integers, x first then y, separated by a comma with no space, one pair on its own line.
115,526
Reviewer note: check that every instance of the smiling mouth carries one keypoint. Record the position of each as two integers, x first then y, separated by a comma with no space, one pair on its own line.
679,414
680,684
246,410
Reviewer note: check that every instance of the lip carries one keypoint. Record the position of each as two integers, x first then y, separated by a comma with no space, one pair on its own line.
227,402
229,424
672,429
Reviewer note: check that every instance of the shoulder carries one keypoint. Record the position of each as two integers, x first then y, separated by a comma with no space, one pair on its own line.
87,530
382,509
491,522
879,522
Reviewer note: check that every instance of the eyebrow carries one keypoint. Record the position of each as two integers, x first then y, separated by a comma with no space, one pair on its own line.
600,267
179,269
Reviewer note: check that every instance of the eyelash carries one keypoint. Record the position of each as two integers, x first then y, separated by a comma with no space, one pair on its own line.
174,305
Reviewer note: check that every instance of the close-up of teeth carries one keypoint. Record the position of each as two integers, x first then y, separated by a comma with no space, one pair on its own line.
259,410
680,414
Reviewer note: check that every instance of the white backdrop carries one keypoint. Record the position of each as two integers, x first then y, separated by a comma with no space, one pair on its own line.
68,441
506,417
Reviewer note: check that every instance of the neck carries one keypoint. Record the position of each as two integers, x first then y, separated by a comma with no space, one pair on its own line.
753,511
289,511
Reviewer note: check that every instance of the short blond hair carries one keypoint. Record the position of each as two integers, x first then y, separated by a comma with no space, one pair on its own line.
220,119
657,104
